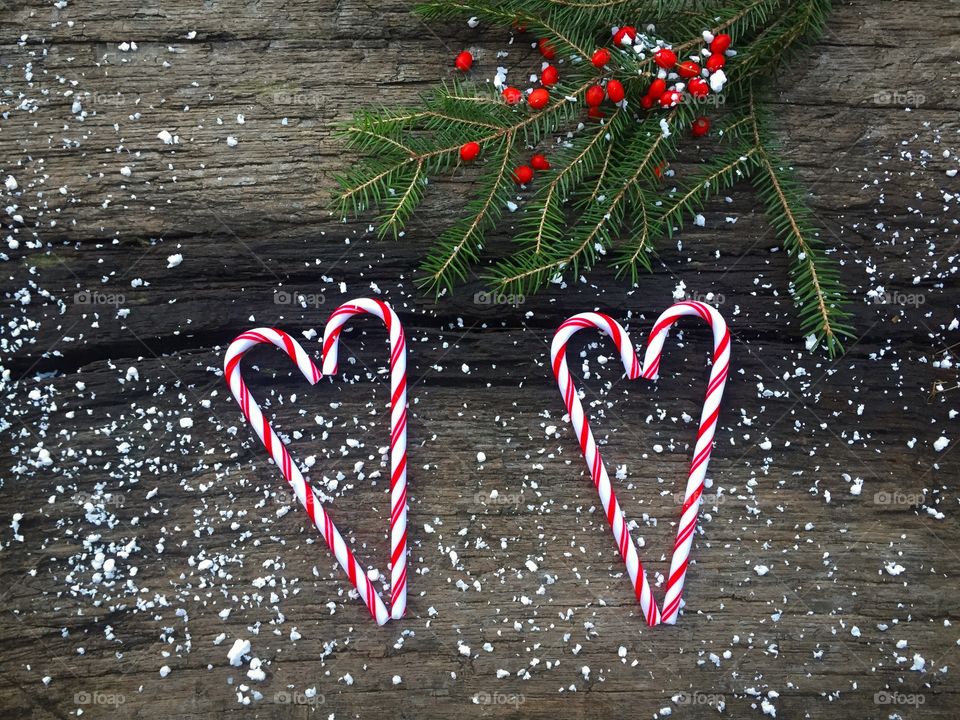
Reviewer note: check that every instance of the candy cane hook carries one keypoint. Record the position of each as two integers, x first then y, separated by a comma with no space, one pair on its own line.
278,451
398,430
705,433
591,453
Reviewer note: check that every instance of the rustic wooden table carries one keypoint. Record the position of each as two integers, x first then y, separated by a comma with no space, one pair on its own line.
144,532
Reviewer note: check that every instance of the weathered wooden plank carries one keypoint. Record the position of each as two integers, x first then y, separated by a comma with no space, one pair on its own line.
250,221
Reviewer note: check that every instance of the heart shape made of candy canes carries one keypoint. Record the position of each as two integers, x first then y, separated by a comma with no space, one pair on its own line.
701,453
291,472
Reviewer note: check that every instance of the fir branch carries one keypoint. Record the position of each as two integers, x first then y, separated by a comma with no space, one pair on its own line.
815,280
602,192
527,271
459,247
718,174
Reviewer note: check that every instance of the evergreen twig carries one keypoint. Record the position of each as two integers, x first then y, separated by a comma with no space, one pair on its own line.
604,190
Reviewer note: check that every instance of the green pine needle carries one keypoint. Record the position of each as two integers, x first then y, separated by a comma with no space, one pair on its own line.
603,194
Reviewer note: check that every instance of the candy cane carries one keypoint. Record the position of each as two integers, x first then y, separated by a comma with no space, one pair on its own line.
398,430
591,453
278,451
704,444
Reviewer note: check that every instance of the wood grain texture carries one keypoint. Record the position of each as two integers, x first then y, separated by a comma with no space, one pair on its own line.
519,606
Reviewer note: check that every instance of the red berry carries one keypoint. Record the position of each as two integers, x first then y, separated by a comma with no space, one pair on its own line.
657,88
464,61
523,174
626,32
596,113
518,27
600,58
670,98
647,102
689,69
512,96
595,95
699,87
615,91
546,49
549,75
540,162
700,127
539,98
715,62
720,44
469,151
665,58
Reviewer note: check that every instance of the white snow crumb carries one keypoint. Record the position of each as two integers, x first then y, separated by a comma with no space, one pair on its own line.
473,22
47,679
164,671
348,679
550,429
761,570
855,631
132,374
255,673
310,692
768,708
10,183
585,671
232,141
622,651
397,680
464,650
766,444
166,138
186,422
918,663
219,638
893,568
940,444
481,457
240,119
236,653
680,291
501,673
465,369
699,220
174,260
717,81
810,341
126,171
295,635
665,127
512,206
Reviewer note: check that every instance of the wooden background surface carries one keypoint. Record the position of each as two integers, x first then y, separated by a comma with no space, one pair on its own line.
518,603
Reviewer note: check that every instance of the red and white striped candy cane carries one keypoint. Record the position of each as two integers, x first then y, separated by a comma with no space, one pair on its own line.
591,453
398,430
704,443
278,451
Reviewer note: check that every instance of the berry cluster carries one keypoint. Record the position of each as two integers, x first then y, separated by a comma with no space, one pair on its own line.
697,76
522,174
